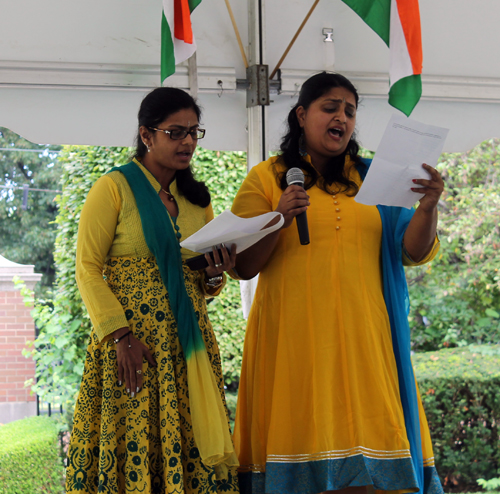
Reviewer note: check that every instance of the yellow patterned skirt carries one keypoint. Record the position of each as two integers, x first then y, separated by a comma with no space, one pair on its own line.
143,444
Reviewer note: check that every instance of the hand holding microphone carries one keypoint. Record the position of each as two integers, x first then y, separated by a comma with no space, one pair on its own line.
294,202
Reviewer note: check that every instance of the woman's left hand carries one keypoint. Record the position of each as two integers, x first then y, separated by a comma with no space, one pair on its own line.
432,189
217,266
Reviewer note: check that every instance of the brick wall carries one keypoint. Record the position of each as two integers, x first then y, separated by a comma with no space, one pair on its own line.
16,328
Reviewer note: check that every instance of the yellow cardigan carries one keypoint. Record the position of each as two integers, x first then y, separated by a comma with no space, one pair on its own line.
110,226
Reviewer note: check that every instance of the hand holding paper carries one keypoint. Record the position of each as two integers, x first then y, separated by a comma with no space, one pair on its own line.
405,146
230,229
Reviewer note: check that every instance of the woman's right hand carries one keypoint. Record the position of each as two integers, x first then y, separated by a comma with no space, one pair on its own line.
293,201
129,355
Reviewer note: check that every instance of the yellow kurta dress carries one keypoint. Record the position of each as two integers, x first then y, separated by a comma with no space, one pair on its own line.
142,444
318,404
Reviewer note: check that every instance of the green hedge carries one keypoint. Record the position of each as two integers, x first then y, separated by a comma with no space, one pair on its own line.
30,462
460,390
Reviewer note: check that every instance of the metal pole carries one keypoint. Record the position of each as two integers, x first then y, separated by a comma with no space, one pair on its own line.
257,143
193,75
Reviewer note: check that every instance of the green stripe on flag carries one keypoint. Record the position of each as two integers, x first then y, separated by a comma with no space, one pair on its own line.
167,50
405,93
193,4
376,13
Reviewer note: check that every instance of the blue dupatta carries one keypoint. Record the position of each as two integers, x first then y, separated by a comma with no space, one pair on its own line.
395,220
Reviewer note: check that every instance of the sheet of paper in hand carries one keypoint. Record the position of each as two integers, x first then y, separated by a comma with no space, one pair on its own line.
405,146
230,229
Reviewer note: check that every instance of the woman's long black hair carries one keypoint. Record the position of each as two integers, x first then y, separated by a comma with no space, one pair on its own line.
158,105
334,179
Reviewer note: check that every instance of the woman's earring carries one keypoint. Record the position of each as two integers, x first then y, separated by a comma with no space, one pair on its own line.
147,147
302,145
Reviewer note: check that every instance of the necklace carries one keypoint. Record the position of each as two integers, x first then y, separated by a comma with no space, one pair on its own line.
170,196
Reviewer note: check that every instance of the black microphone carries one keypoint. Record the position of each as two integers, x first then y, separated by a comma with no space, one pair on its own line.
295,176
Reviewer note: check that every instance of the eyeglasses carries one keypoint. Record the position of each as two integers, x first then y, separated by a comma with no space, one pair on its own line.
182,134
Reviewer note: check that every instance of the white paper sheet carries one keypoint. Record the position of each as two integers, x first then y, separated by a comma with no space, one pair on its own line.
405,145
230,229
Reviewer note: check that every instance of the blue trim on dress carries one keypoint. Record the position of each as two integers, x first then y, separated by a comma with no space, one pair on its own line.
394,474
432,483
317,476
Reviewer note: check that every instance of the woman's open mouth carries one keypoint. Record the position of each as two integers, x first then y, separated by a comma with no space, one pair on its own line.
336,132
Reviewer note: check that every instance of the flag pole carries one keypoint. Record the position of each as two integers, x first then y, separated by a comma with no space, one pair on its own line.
193,75
273,73
235,27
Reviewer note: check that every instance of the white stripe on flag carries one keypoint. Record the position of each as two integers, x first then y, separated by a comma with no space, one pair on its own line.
182,51
400,65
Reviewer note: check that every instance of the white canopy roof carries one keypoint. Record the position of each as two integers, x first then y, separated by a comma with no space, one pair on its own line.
75,72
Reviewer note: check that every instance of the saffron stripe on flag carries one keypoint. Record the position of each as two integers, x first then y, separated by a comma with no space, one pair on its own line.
397,22
406,60
409,15
400,61
177,38
182,21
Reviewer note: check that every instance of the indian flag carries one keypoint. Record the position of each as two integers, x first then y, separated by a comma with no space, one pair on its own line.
397,22
177,39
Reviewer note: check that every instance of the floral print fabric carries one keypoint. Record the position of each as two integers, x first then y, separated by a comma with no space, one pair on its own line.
143,444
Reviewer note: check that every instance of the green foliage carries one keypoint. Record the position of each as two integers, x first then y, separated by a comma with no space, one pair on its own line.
459,389
30,460
223,173
65,326
456,298
27,235
59,350
231,400
491,485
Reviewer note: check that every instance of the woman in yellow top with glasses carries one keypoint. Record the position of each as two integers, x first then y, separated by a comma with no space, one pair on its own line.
150,415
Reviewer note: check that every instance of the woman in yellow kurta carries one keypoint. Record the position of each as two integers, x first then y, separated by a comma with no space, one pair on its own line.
327,397
150,416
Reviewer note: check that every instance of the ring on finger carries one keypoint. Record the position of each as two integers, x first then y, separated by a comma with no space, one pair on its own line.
139,371
218,265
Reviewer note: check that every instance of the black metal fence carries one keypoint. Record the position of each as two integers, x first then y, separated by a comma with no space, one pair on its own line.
43,407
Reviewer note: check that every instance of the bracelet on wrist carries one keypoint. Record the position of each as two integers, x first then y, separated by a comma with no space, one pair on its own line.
116,340
214,282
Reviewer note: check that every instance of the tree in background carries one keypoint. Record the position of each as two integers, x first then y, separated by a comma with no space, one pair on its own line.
456,298
27,234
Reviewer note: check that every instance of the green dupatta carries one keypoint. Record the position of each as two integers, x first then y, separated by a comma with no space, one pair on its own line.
210,427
